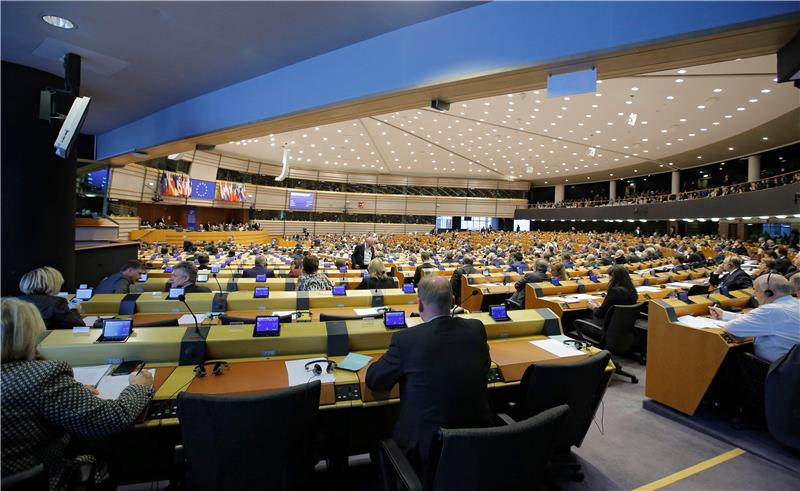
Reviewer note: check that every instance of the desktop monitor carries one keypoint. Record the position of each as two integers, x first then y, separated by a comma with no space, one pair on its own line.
498,312
202,278
408,288
116,329
555,281
261,292
142,277
83,293
339,291
215,268
261,278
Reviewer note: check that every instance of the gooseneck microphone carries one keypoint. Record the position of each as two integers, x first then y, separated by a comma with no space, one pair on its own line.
458,304
215,279
182,298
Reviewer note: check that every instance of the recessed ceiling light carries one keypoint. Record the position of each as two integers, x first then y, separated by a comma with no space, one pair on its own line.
669,97
717,90
765,91
59,22
740,109
678,80
634,89
753,100
765,138
681,71
701,106
730,148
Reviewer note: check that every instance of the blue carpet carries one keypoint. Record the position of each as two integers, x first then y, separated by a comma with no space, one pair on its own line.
756,442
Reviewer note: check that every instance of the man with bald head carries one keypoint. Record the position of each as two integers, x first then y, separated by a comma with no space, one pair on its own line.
442,367
775,324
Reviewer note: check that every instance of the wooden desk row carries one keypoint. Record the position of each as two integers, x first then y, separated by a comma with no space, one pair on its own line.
158,303
682,361
154,284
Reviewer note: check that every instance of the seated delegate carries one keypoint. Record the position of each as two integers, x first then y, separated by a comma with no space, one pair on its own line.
121,281
312,278
441,366
259,268
184,275
378,279
736,279
40,287
43,406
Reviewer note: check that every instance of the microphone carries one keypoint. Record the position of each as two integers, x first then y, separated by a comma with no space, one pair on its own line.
215,279
182,298
458,304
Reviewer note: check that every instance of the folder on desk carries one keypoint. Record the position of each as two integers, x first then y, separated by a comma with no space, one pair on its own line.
354,362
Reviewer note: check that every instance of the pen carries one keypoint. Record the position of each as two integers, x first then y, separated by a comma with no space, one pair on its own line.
141,367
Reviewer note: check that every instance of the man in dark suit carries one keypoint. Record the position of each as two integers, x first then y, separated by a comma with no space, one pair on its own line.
455,280
538,274
736,279
259,268
121,281
782,263
426,264
363,254
442,368
696,257
184,275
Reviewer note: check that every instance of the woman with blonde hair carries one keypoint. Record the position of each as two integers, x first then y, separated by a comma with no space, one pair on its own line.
43,405
378,279
40,287
557,270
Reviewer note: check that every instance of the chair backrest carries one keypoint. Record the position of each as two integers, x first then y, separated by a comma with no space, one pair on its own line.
578,384
518,452
259,441
33,479
698,290
620,328
333,317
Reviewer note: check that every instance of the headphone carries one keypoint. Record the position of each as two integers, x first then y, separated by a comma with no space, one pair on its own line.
219,368
314,366
578,344
768,292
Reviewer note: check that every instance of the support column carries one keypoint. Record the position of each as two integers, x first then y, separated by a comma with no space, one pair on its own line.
753,168
612,190
676,182
559,196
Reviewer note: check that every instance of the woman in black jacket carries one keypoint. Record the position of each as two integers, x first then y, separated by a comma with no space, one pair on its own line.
620,292
378,279
40,287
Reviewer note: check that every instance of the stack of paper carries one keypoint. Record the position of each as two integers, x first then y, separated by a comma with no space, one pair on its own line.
90,375
354,362
111,387
370,311
188,319
648,289
700,322
298,374
557,348
681,284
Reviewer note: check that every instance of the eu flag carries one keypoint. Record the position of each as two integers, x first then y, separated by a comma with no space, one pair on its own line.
203,189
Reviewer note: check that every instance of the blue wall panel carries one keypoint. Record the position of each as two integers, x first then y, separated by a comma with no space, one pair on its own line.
487,38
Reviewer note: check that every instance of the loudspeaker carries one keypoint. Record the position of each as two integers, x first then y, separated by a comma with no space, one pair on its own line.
193,348
220,302
338,338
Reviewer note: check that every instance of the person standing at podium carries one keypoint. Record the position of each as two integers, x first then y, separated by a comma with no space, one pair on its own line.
442,367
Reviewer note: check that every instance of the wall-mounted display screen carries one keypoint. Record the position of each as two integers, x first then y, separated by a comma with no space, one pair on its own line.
444,222
301,201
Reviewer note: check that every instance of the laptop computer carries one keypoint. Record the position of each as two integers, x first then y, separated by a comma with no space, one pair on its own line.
395,319
498,313
267,325
115,331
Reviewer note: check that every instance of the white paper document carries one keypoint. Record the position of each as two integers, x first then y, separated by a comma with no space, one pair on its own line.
111,387
90,375
369,311
188,319
569,299
648,289
298,375
557,348
283,313
700,322
681,284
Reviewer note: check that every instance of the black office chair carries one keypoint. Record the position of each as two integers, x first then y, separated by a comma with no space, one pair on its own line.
698,290
520,451
33,479
260,441
578,384
782,398
617,334
161,323
333,317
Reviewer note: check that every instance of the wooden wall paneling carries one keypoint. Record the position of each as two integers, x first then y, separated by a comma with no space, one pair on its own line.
127,182
421,205
331,202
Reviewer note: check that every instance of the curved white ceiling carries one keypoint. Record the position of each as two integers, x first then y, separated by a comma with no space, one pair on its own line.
533,137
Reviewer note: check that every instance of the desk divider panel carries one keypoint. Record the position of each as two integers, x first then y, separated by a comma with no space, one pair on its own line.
127,306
